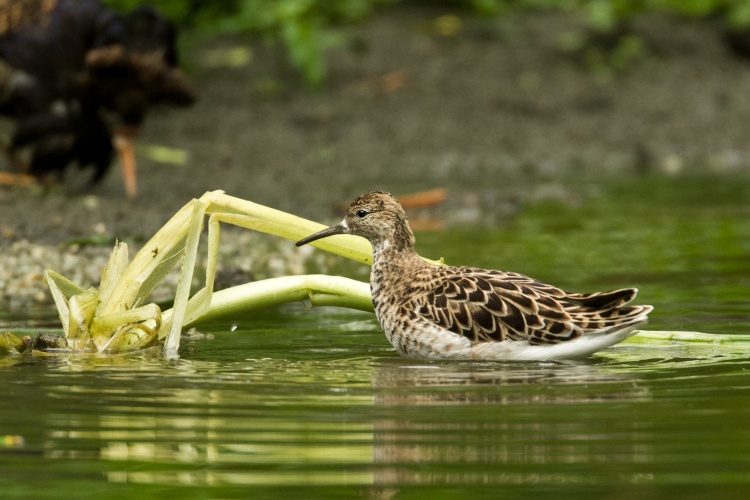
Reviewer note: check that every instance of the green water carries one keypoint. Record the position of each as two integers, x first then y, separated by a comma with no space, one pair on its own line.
315,404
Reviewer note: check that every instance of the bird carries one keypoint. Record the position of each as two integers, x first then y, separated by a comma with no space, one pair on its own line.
435,311
79,135
78,79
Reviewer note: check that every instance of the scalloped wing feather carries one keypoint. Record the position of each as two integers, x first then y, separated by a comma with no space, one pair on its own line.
493,306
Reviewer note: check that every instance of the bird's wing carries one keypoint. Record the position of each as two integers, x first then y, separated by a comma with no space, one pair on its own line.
493,306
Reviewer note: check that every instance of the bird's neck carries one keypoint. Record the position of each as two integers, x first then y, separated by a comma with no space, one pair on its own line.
389,249
396,246
393,261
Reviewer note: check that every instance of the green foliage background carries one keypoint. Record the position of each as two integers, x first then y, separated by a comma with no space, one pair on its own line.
307,28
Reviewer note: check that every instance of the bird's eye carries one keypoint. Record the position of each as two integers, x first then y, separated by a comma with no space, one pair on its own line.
362,213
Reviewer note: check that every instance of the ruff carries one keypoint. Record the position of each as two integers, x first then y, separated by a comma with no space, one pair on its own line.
441,312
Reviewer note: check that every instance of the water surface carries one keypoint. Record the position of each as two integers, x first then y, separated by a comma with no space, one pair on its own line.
316,403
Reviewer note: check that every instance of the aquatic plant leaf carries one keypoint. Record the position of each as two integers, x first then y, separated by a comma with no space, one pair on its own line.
182,294
198,305
82,308
661,337
56,284
66,287
138,337
118,262
10,344
105,329
318,289
167,262
152,263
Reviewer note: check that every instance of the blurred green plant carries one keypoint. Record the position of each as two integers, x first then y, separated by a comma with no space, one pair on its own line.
613,18
308,28
609,14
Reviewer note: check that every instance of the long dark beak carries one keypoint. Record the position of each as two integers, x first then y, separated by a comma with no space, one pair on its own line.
322,234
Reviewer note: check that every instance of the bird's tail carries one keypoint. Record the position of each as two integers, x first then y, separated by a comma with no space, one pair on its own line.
606,312
603,300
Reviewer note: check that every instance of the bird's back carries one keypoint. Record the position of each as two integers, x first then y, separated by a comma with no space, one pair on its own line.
487,307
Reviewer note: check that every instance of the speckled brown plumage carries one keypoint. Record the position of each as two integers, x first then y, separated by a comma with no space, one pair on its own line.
434,311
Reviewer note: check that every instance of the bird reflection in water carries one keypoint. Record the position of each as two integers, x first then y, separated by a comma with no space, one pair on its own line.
498,423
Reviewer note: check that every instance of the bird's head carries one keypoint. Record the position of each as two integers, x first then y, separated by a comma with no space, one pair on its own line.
377,216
